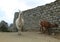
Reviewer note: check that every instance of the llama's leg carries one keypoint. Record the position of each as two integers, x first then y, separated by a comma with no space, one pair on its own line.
49,31
41,29
44,29
22,29
19,32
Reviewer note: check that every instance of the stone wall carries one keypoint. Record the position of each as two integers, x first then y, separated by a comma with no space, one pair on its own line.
50,12
14,25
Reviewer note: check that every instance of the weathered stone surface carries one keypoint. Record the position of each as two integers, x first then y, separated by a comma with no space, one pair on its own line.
15,17
57,0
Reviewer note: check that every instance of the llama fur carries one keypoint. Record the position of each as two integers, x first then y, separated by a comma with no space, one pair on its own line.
19,23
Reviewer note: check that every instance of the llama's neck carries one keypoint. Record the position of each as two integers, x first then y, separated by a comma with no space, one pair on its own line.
20,17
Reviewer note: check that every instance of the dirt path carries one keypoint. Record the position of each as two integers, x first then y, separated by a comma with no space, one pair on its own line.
26,37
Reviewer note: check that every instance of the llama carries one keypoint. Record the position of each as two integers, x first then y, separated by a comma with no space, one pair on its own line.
47,26
19,23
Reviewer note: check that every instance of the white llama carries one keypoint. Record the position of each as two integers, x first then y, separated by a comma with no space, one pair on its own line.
19,23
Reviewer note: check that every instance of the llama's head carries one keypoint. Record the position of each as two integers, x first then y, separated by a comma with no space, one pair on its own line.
20,13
